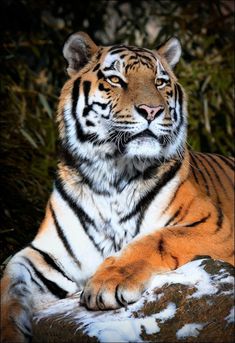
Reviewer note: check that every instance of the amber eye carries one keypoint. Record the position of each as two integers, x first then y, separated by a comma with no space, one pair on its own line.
160,82
114,79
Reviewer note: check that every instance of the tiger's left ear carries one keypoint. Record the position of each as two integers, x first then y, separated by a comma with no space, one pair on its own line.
78,50
171,51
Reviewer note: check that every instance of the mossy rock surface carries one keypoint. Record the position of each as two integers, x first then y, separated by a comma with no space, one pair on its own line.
192,304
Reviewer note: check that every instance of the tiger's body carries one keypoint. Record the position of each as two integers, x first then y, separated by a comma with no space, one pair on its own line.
129,199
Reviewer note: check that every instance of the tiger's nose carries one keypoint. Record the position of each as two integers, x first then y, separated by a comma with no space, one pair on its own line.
150,112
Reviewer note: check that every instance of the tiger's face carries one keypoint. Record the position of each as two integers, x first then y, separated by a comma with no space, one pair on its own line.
122,99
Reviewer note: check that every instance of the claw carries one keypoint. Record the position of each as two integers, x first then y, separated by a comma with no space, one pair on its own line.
119,298
100,302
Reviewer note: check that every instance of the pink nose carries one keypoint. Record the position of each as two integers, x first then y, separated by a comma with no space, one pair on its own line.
150,112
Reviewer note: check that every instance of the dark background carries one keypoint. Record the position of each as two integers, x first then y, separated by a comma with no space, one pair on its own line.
33,71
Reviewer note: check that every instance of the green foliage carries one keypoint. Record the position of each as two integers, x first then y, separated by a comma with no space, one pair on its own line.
33,71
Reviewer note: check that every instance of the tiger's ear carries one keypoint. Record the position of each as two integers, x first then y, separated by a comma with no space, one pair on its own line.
77,50
171,51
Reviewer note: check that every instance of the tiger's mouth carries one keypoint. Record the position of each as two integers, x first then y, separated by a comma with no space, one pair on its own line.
162,139
143,136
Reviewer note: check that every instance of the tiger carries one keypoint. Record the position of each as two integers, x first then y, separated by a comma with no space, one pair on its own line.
129,199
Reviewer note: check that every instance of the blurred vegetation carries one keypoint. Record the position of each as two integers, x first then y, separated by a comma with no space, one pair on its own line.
33,71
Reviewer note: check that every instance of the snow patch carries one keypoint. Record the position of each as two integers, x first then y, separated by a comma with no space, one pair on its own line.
108,326
166,314
190,274
122,330
231,316
188,330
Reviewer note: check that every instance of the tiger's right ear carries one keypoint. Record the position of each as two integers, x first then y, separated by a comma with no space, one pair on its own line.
77,50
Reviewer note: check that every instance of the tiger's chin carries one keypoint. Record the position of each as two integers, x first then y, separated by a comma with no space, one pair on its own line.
151,149
143,148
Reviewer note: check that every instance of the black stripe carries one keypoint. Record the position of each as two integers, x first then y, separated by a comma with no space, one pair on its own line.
102,105
176,99
89,123
201,158
176,261
80,163
98,54
144,203
174,196
174,216
123,56
81,136
116,46
70,160
160,247
215,172
220,215
80,213
111,67
96,67
180,102
75,96
181,114
102,88
202,220
192,169
86,90
123,83
49,260
82,216
185,213
194,174
100,75
220,218
170,93
193,157
131,66
117,51
221,168
31,277
119,185
227,161
120,300
62,237
51,286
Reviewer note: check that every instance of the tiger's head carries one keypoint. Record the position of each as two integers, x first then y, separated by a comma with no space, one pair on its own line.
122,100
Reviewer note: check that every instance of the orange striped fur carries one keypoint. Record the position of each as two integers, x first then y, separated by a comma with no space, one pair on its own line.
129,200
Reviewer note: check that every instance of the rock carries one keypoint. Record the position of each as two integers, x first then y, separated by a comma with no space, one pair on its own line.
194,303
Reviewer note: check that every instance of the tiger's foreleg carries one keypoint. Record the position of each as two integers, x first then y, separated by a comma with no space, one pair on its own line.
121,280
16,303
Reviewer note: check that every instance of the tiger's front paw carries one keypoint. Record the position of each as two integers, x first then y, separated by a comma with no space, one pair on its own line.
116,284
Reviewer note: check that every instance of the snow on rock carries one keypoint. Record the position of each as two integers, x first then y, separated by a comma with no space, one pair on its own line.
191,274
193,301
231,316
189,330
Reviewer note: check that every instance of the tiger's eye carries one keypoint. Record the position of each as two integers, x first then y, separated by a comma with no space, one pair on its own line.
160,82
114,79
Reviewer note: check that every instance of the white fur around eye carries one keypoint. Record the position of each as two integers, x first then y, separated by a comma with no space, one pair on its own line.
164,82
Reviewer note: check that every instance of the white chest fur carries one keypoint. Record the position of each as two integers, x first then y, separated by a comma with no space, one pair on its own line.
103,224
